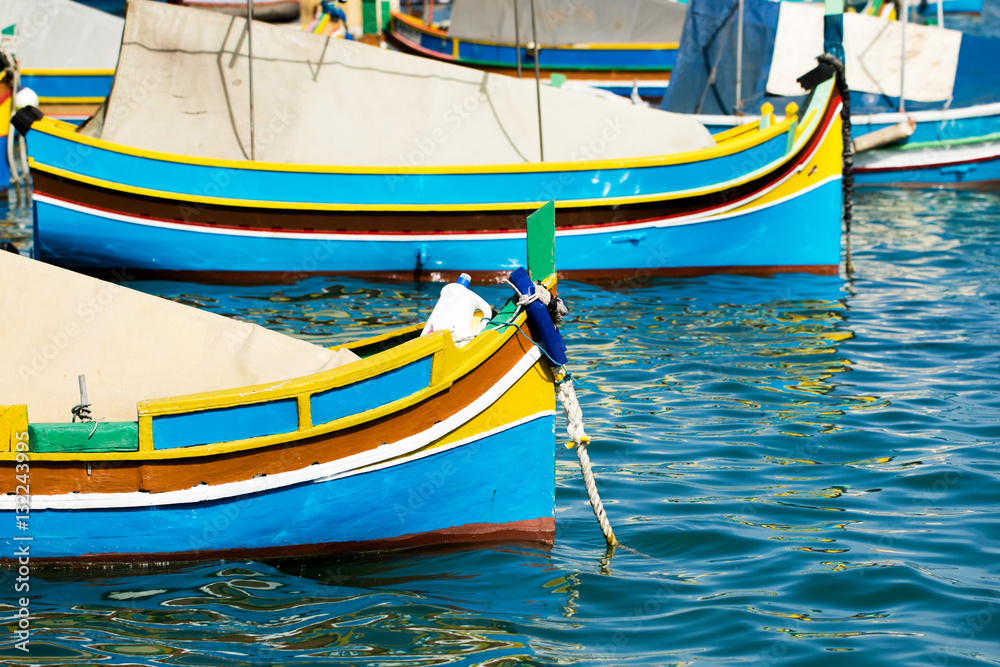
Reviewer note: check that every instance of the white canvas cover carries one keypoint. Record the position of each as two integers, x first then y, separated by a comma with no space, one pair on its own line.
566,22
873,48
182,87
131,346
61,34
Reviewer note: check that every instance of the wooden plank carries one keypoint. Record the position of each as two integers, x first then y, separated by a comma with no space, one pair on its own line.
108,437
542,242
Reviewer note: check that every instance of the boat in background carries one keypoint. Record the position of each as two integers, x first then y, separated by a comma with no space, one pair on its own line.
948,134
67,53
277,11
205,437
619,47
177,185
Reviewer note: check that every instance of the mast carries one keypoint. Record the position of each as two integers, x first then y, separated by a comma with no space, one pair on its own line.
904,18
517,38
538,84
253,143
739,60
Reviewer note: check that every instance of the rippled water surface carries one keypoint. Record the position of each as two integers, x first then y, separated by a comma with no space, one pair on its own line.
803,470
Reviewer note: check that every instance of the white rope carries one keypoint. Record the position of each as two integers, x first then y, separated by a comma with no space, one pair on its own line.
574,426
540,294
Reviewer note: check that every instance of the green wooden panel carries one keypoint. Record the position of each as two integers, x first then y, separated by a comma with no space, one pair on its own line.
542,242
76,438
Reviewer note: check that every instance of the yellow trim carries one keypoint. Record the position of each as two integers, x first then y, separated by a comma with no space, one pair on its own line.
13,422
70,100
305,411
454,49
424,27
5,430
145,434
338,377
67,72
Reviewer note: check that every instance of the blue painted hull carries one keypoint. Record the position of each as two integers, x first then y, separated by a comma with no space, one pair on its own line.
787,234
973,174
471,485
610,67
946,172
68,89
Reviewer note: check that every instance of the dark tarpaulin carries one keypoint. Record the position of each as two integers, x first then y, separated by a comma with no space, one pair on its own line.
977,80
709,42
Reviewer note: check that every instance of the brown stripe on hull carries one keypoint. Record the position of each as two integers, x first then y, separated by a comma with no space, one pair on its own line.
369,222
530,530
157,476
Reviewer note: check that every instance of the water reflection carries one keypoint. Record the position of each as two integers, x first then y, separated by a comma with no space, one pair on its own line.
417,609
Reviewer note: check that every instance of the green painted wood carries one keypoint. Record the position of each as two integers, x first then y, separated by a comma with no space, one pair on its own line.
76,438
542,242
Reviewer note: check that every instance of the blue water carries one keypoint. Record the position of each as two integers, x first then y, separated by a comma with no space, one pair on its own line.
803,470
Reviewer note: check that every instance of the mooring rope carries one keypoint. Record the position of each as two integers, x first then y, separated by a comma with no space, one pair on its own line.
847,183
566,393
574,427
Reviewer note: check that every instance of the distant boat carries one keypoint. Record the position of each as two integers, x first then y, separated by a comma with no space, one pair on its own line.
947,135
616,46
378,163
67,53
206,437
263,10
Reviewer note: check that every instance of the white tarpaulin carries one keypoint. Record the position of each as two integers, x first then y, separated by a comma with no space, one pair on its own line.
183,79
873,48
565,22
61,34
131,346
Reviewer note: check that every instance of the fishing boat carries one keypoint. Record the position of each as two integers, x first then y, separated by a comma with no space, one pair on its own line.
263,10
67,53
934,122
370,162
198,436
616,46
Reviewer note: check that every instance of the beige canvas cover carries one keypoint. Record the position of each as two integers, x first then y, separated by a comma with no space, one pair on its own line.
131,346
566,22
183,80
873,48
61,34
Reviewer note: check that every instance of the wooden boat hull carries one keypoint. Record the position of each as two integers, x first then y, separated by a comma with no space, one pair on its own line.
614,67
427,443
951,148
748,205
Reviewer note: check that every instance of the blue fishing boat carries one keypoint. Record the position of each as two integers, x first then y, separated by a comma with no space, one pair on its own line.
937,126
177,184
619,47
197,436
67,53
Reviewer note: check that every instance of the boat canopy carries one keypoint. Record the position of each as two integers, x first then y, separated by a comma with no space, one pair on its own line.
944,68
182,87
131,346
61,34
567,22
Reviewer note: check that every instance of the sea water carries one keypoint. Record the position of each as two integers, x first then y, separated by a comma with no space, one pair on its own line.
801,470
